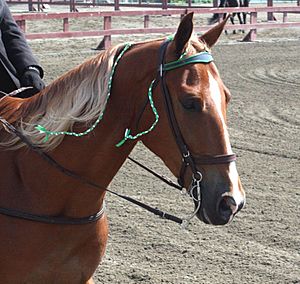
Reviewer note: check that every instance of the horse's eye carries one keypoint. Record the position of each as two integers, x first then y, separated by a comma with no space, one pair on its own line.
192,104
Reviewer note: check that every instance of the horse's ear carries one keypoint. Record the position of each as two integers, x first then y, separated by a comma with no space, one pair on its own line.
183,33
212,36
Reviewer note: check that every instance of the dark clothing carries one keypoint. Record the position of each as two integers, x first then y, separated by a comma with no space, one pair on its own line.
15,54
222,3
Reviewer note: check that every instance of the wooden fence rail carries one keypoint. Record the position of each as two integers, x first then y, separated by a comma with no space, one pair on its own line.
164,4
107,18
74,5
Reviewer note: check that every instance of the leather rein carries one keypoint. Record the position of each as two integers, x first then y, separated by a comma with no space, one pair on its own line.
188,160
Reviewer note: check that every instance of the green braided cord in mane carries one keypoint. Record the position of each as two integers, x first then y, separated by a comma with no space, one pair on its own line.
48,133
127,134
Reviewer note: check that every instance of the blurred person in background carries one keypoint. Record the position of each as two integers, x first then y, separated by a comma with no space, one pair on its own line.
18,66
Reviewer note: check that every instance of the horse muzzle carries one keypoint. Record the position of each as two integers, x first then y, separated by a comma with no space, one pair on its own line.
219,210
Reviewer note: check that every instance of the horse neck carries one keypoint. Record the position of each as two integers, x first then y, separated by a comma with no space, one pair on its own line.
128,96
123,111
96,157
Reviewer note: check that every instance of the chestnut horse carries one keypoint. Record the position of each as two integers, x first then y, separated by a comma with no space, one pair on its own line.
40,240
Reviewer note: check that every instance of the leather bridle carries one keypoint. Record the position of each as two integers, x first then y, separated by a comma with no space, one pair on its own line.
188,160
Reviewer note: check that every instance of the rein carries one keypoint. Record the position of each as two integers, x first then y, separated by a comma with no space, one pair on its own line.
52,219
72,221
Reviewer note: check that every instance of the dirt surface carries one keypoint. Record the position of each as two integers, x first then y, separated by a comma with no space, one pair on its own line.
262,244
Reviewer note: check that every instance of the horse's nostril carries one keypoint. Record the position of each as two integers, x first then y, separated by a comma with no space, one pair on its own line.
227,207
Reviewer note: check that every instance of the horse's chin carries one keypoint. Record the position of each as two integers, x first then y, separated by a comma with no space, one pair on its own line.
203,216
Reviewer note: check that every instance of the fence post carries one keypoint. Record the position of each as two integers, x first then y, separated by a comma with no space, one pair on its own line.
253,20
165,4
251,36
72,6
22,25
107,26
270,14
30,6
65,24
284,17
117,5
146,21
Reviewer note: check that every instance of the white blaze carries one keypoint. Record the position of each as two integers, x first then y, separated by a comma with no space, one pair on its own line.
233,174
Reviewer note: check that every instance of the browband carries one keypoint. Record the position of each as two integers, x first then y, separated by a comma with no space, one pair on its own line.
201,57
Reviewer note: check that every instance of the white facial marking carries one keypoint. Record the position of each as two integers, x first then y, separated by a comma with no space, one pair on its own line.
233,174
217,99
234,177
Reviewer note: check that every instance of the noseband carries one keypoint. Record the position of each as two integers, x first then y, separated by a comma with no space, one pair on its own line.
188,160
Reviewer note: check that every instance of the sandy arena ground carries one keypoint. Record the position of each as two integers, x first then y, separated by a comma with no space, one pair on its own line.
262,245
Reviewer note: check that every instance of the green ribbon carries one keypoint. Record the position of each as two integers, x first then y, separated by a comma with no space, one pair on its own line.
127,134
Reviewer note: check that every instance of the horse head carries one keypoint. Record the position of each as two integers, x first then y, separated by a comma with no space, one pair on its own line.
197,149
189,134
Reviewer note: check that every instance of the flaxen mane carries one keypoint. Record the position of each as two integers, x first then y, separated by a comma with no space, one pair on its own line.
77,96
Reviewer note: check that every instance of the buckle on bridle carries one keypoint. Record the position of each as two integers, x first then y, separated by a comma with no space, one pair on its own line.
186,155
186,158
